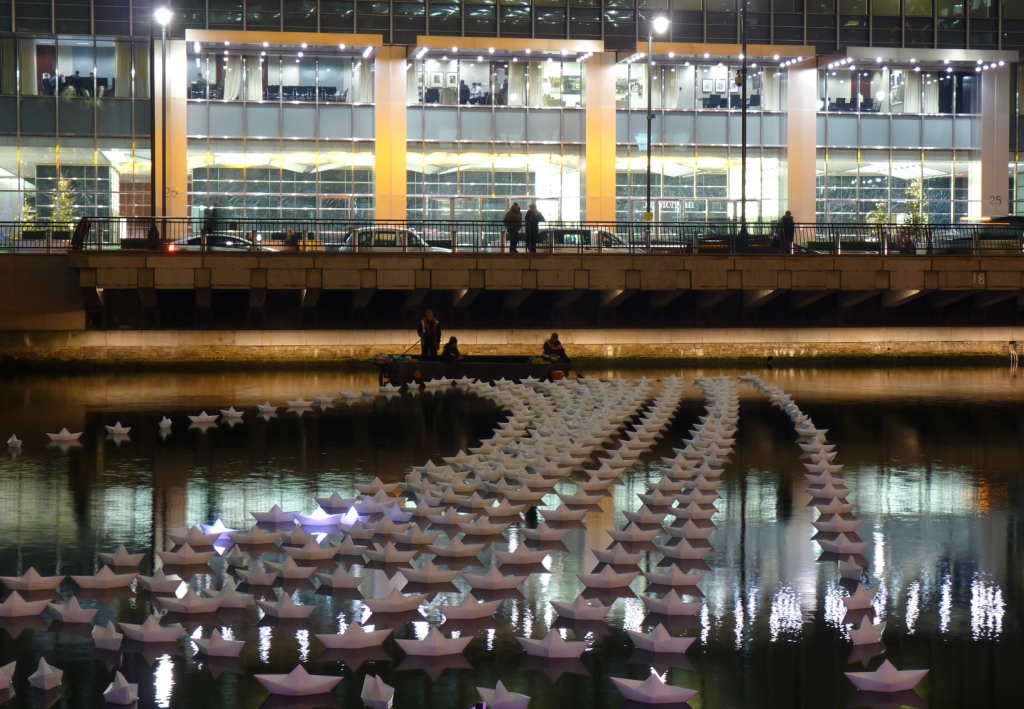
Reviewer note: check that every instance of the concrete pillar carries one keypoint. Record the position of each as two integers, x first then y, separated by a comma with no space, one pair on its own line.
801,142
177,130
995,141
600,139
389,175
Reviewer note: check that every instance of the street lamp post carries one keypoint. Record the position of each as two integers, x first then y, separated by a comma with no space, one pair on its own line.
743,126
660,25
163,18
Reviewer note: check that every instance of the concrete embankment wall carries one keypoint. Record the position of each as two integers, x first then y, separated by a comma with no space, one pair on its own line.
262,347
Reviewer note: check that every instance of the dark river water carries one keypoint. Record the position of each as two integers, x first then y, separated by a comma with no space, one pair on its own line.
934,459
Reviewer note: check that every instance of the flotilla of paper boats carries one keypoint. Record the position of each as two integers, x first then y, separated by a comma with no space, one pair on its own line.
553,429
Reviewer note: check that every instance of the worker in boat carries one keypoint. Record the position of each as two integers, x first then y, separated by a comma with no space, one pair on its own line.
430,335
553,349
451,353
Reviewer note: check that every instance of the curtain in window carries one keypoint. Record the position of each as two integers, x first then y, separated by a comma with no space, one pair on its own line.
29,73
362,82
253,79
536,92
233,78
517,84
123,70
141,70
8,67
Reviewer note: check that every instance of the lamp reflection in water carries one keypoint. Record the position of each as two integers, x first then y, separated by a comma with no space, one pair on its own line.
987,608
163,681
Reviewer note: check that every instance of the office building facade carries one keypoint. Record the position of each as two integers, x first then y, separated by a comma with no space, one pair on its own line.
857,111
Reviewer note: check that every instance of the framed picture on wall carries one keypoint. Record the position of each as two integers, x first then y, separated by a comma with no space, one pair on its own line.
707,86
720,86
436,79
453,79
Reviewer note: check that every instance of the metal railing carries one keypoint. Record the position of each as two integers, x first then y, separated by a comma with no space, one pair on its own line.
440,237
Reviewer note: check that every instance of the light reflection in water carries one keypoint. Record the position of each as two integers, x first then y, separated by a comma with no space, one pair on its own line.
878,603
946,604
987,608
163,681
265,634
302,636
913,606
785,617
835,609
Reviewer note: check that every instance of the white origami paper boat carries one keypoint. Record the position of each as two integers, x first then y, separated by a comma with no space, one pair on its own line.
388,554
285,607
434,644
121,558
860,600
290,570
470,609
190,603
456,548
71,612
120,691
659,640
217,646
254,537
619,556
579,609
653,691
237,558
319,518
17,607
354,638
501,698
335,502
339,579
218,527
395,602
186,556
151,631
671,605
104,578
867,634
257,576
673,577
45,677
886,679
6,674
229,597
552,646
160,582
31,580
164,424
429,574
65,436
493,580
607,578
298,683
195,537
376,694
522,555
203,418
107,637
275,516
118,430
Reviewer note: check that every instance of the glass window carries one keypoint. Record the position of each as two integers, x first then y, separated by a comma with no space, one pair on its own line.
918,8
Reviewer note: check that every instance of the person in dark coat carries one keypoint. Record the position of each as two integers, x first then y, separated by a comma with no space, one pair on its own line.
451,353
463,93
533,219
513,223
430,335
553,349
787,230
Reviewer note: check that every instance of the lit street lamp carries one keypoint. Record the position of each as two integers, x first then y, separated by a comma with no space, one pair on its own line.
660,25
162,16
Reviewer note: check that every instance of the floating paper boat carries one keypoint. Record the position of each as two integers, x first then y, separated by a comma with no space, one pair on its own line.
501,698
395,602
607,578
65,436
310,551
335,502
493,580
104,578
290,570
186,556
285,607
544,533
659,640
151,631
354,638
339,579
456,548
552,646
319,518
619,556
867,634
860,600
160,582
121,558
652,691
120,691
203,418
673,577
231,414
107,637
671,605
579,609
45,677
299,403
218,646
434,644
562,514
195,537
70,611
190,603
17,607
886,679
377,485
229,597
633,533
31,580
429,574
376,694
388,554
13,442
118,430
236,558
254,537
416,537
164,424
298,683
522,555
470,609
348,547
275,516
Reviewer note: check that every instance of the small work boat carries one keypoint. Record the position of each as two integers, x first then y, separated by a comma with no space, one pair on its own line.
401,369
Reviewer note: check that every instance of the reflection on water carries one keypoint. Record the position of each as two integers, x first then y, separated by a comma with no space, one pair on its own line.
933,458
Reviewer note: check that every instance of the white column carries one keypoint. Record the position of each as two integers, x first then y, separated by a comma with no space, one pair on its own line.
995,141
801,152
390,98
600,147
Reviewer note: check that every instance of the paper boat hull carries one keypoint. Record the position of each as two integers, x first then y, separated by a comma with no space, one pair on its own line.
278,684
630,689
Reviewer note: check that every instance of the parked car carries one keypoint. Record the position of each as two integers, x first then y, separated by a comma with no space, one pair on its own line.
576,238
218,242
384,239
